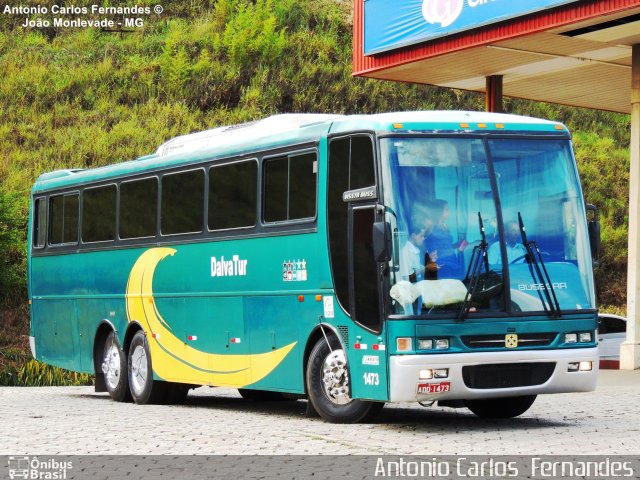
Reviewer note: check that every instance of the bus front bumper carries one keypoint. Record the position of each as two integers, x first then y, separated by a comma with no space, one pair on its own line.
491,374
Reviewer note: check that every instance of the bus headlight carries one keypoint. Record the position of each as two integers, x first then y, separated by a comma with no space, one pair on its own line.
585,337
585,366
441,373
426,374
582,337
431,344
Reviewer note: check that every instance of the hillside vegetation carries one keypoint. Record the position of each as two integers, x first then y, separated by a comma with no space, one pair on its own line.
81,98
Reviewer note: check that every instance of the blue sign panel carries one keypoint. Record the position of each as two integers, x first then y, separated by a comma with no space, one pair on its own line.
390,24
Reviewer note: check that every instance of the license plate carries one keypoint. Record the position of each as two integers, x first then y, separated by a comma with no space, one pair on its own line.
426,388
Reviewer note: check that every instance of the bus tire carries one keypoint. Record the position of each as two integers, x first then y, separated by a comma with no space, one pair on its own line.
144,389
114,369
507,407
328,386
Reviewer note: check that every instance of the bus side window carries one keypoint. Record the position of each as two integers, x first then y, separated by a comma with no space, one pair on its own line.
63,215
302,185
290,187
361,169
139,208
99,214
182,208
39,223
233,195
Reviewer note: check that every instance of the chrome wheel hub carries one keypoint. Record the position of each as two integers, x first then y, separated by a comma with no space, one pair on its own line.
139,369
111,366
335,378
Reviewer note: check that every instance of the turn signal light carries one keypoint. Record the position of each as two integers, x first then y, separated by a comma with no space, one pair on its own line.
404,344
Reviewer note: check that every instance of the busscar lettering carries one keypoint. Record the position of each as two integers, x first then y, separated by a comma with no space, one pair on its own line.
236,267
541,286
359,194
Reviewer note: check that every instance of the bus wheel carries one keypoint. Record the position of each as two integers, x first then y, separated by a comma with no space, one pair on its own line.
507,407
329,388
144,389
114,369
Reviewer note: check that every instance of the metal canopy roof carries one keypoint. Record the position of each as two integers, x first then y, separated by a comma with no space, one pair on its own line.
578,55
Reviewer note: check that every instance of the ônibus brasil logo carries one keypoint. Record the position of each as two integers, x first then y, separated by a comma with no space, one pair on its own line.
444,12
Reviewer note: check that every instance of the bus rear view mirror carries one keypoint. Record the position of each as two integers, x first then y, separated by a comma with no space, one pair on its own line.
381,241
593,223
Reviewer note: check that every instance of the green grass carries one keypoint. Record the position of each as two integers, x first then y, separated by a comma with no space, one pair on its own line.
19,369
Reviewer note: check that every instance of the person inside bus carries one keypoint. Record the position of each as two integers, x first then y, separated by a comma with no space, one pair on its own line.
411,268
515,250
440,241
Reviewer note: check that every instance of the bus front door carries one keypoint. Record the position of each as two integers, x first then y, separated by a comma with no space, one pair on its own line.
367,352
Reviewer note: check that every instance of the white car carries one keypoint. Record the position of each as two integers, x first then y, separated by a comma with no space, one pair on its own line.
612,331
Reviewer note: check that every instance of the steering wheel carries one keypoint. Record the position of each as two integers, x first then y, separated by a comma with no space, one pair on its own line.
519,259
522,257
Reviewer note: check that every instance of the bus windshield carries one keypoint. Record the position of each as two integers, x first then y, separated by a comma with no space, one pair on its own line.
497,225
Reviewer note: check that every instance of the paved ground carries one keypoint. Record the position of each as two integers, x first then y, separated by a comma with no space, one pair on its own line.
75,420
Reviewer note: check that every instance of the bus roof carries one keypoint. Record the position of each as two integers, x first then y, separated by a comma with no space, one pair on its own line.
290,129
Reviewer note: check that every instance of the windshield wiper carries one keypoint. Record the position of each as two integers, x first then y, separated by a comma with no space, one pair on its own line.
472,278
539,273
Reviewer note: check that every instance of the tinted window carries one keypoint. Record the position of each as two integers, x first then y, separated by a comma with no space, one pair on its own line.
611,325
337,217
138,208
290,187
362,166
351,166
302,186
365,286
63,219
182,202
233,195
39,223
99,214
276,179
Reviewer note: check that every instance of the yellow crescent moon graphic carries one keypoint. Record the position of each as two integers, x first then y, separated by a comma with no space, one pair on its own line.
171,358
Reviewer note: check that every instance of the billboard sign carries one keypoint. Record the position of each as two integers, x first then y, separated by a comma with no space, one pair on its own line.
394,24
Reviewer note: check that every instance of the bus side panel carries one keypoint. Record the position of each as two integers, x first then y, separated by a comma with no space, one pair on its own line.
57,327
91,312
71,295
368,364
207,328
275,322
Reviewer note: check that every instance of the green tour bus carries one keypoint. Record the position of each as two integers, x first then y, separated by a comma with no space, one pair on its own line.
350,260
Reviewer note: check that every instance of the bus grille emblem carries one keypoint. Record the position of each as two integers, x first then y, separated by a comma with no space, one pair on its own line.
511,340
